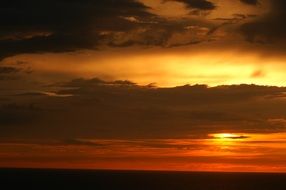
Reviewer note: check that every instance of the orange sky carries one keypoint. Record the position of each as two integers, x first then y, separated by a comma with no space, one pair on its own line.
219,152
170,67
144,84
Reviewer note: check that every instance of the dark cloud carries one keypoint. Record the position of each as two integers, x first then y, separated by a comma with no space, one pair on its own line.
8,73
250,2
122,109
31,28
269,28
82,83
197,92
82,142
146,143
60,26
17,115
8,70
198,4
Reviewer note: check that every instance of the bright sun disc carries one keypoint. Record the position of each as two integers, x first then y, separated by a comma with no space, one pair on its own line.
226,136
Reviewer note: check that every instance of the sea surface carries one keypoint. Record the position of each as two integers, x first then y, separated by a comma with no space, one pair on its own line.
141,180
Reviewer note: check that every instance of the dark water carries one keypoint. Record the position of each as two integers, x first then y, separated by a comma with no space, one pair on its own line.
141,180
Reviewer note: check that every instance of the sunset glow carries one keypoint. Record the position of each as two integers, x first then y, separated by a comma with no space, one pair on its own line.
223,152
226,136
166,69
184,85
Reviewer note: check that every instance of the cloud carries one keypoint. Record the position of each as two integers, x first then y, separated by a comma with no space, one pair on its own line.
82,83
93,25
8,73
84,142
269,28
250,2
258,73
8,70
121,109
31,28
13,71
198,4
17,115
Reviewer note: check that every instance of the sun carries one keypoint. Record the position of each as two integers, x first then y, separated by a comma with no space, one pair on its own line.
226,141
226,136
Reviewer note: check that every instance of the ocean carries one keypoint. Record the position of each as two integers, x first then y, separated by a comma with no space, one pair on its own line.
138,180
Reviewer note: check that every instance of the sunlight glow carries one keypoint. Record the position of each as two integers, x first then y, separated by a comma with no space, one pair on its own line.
227,136
226,143
166,69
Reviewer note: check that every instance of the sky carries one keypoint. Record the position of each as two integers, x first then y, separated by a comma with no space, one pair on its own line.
189,85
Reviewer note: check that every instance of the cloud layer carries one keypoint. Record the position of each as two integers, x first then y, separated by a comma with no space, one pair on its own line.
270,28
121,109
250,2
31,28
198,4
